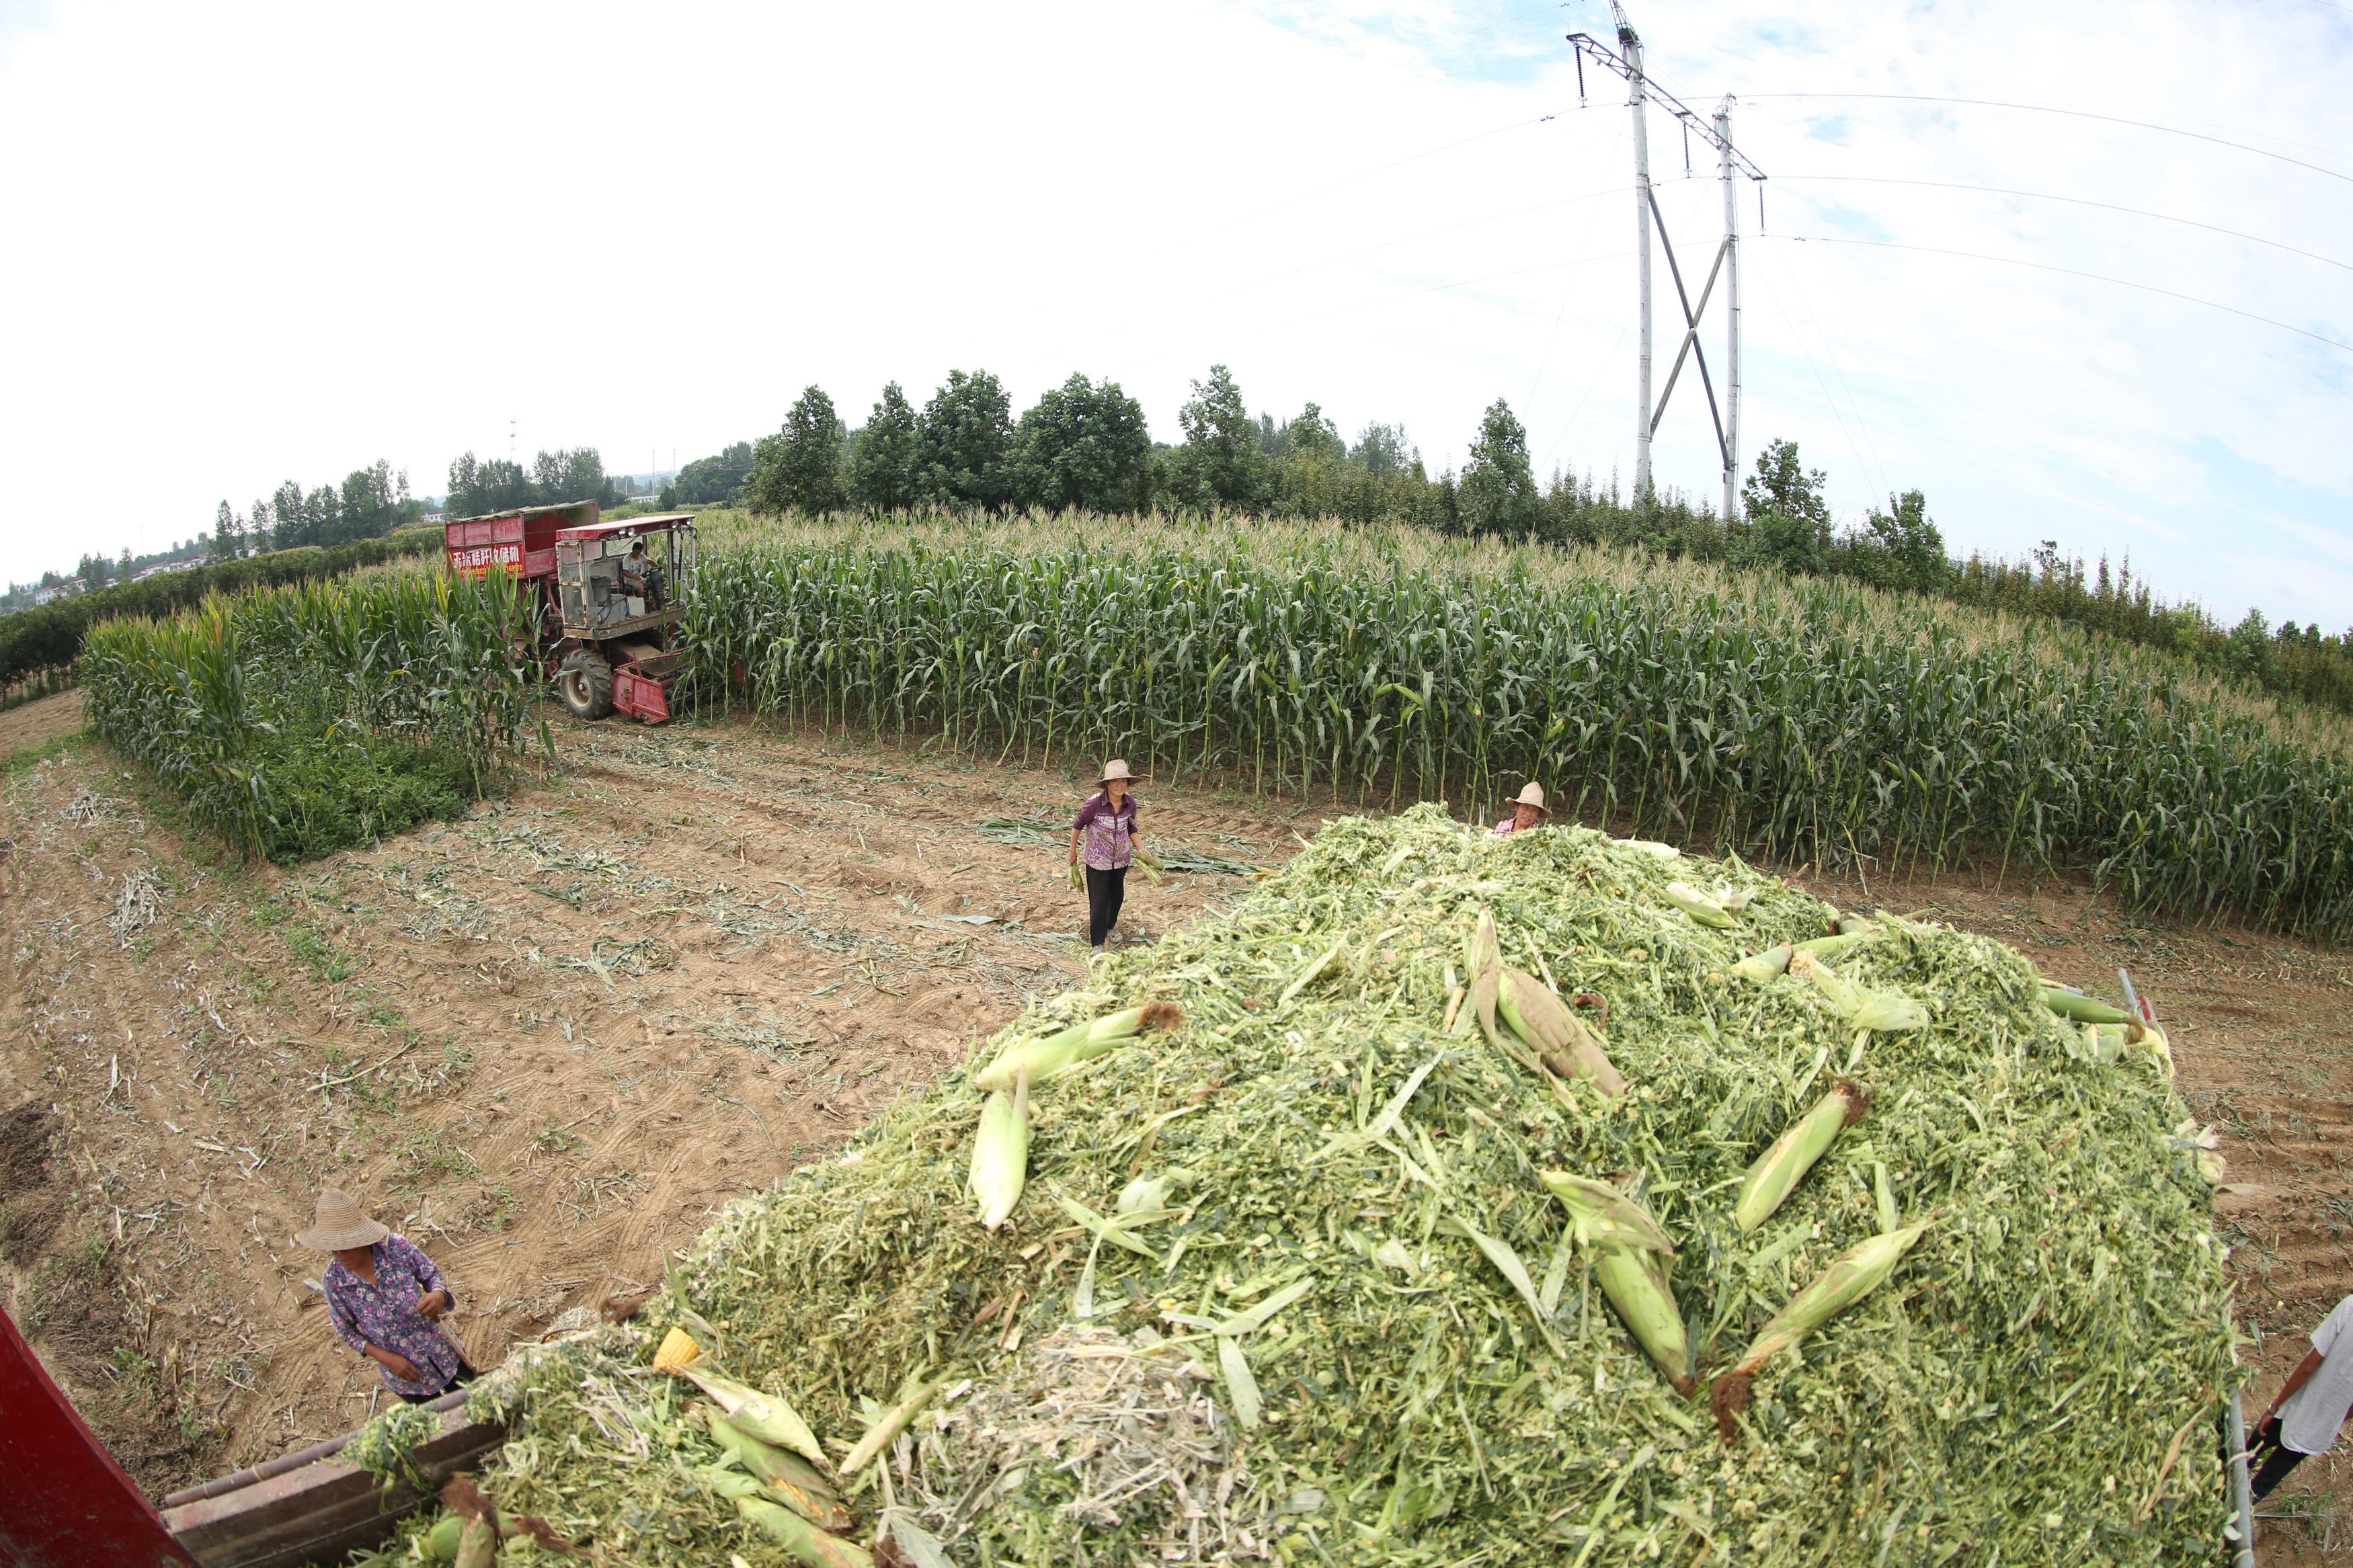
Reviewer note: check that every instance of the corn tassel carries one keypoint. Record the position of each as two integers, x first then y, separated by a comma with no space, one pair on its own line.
1780,1168
1564,1044
1852,1275
1000,1153
1042,1059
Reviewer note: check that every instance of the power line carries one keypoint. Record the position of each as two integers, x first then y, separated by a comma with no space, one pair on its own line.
2079,201
2077,114
2072,272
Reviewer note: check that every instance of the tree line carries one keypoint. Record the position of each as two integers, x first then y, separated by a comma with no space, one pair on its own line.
1086,446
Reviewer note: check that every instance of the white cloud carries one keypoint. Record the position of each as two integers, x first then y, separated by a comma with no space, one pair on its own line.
277,240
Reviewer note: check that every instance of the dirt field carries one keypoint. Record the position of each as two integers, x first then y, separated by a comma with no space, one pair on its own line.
547,1040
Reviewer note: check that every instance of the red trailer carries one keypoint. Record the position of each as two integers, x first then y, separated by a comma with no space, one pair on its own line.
607,597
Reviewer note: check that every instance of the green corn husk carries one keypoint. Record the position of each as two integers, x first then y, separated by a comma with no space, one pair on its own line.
1042,1059
1852,1275
1781,1167
1763,966
1483,956
1828,949
1635,1282
761,1415
1566,1049
477,1544
1863,1007
1704,908
439,1544
791,1479
1000,1153
1078,877
800,1537
1151,865
1601,1216
2082,1009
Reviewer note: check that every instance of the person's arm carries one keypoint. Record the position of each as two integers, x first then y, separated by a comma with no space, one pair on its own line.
347,1329
436,1298
2296,1380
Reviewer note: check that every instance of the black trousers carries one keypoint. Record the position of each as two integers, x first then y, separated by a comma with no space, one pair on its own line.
2268,1460
464,1375
1104,891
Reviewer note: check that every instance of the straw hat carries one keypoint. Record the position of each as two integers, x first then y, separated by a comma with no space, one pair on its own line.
1533,795
1116,769
341,1223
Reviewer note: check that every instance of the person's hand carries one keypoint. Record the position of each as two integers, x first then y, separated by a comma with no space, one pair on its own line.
432,1304
399,1366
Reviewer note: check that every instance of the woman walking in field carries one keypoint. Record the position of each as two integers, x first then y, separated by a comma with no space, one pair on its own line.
1106,832
386,1299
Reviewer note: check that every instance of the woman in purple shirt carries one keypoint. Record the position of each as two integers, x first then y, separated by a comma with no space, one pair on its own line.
1105,831
386,1298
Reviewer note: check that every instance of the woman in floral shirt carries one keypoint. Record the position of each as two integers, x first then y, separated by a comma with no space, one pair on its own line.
1106,831
386,1298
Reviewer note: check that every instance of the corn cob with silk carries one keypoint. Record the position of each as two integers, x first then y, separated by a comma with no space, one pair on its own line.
1041,1059
1852,1276
1564,1044
1779,1169
1000,1153
1630,1255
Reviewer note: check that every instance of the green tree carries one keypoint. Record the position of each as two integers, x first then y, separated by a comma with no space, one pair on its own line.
886,457
1382,450
1788,520
800,467
478,487
1904,547
1498,492
710,481
1220,460
1086,447
577,474
228,536
966,443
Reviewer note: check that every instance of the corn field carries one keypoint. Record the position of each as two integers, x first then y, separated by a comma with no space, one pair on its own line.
1792,719
295,719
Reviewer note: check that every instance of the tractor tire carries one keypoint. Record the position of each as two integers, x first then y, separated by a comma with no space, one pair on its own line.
585,685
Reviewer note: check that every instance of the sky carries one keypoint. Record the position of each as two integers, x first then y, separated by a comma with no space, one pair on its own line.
255,242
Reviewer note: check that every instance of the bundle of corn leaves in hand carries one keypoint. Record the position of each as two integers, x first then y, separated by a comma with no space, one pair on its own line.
1290,1282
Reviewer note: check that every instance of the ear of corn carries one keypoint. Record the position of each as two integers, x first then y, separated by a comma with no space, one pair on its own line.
677,1352
1042,1059
1601,1216
793,1481
1483,957
1000,1153
477,1544
1700,905
1635,1283
1779,1169
1566,1049
885,1432
1763,966
2082,1009
764,1415
1851,1275
1151,865
1078,877
805,1540
1863,1007
1829,948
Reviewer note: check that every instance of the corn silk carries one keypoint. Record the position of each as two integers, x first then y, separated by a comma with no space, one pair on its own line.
1340,1319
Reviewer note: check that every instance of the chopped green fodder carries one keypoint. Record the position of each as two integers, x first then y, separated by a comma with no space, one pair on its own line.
386,1446
1359,1333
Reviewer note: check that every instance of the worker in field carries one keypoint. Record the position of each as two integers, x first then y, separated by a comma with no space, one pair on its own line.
1527,812
641,577
1105,833
386,1298
2311,1405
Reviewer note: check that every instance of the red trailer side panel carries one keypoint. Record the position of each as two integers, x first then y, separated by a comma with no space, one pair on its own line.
70,1505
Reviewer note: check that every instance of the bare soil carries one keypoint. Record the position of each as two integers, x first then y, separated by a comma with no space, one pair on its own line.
548,1040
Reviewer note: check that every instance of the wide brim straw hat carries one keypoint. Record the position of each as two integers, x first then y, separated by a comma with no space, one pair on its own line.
1116,769
1532,794
341,1224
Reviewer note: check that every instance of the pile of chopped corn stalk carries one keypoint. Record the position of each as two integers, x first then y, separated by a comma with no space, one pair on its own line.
1288,1282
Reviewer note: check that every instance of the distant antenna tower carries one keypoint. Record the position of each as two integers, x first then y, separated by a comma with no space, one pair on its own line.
1717,133
511,438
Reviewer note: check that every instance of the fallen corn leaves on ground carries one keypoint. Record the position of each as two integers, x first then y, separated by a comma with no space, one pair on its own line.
2039,1375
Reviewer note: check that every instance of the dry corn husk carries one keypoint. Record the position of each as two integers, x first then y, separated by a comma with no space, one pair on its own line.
1781,1167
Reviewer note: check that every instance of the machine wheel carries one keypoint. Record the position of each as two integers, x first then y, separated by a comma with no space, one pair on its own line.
585,684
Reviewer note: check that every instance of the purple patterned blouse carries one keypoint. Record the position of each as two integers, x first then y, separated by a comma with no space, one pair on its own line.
1103,833
380,1314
